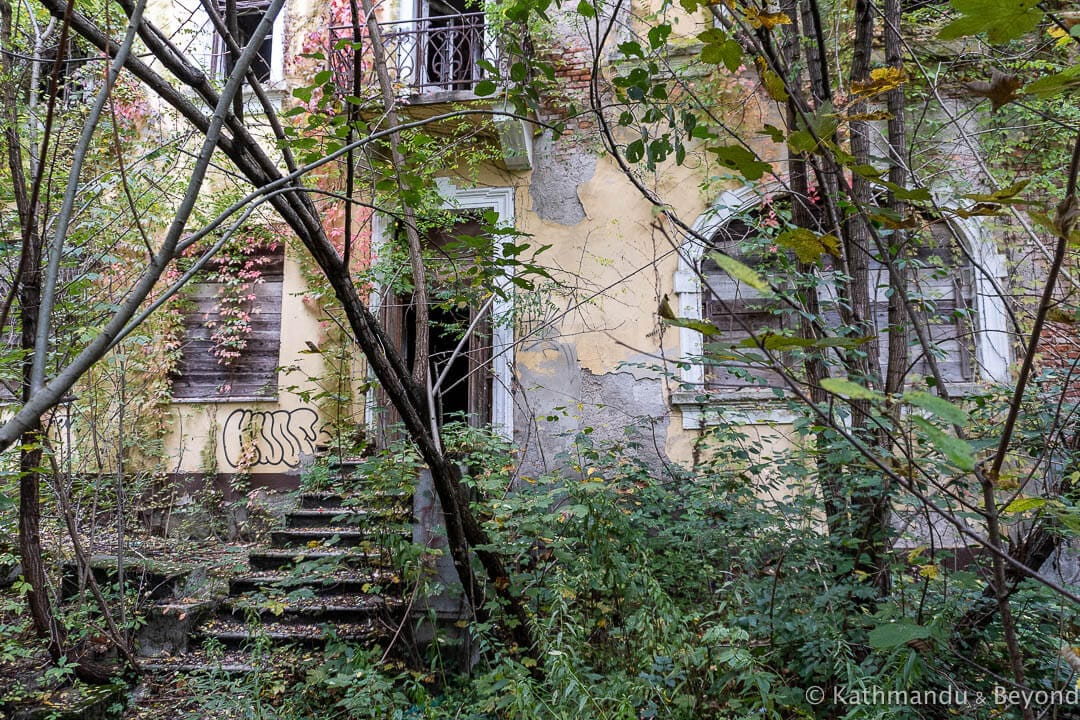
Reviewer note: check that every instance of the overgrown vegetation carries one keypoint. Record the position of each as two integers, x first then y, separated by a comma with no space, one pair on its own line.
874,542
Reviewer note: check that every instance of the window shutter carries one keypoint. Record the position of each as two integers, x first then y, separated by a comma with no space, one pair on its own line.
199,373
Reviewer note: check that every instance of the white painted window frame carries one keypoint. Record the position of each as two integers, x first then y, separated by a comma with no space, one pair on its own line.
277,51
501,200
752,405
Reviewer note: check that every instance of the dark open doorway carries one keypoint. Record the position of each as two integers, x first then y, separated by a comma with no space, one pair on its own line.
465,393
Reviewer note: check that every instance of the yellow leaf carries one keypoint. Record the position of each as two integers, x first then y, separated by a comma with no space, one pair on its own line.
929,571
767,20
915,553
881,80
1060,35
875,115
774,85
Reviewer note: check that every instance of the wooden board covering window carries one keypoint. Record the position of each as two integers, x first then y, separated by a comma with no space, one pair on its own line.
199,374
942,287
735,308
940,284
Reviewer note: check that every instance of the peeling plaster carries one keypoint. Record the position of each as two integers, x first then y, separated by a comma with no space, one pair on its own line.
557,400
557,173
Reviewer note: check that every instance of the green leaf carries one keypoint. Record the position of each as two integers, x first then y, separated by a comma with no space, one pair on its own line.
739,158
843,342
586,9
892,635
1053,84
705,328
900,192
631,48
322,77
771,341
937,406
808,245
774,133
1004,195
850,389
866,171
485,87
802,141
728,52
740,272
658,35
955,450
1024,504
1001,20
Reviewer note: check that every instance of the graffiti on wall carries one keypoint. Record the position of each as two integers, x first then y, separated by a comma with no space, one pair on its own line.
269,437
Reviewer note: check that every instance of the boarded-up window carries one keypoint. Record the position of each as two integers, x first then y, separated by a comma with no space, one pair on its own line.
738,310
940,285
219,363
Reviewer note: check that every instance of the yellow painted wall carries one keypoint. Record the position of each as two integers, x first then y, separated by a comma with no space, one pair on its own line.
616,259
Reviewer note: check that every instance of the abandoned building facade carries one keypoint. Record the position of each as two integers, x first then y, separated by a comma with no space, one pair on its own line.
590,351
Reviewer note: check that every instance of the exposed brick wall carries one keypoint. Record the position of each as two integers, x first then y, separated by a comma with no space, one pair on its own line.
572,64
1059,352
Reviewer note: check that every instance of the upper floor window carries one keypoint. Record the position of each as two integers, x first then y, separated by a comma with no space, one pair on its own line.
268,64
435,47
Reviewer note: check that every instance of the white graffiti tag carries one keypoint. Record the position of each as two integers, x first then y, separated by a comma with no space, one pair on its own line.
278,437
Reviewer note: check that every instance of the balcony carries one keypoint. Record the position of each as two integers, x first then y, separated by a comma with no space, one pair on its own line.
430,60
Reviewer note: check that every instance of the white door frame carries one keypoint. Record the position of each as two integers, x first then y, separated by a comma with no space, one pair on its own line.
501,200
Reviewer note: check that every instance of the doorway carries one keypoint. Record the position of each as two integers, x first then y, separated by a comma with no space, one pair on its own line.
451,44
465,394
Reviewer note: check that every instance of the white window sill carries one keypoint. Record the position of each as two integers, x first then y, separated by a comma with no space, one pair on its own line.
275,93
226,399
761,405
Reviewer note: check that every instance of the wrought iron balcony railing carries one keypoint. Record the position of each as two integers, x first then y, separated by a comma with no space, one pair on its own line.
424,56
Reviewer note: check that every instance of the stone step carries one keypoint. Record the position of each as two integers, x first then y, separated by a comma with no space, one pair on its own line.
331,536
338,609
341,517
157,579
325,499
232,634
229,662
320,500
326,584
167,626
324,559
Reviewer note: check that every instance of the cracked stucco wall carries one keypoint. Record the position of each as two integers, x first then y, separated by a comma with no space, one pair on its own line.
558,171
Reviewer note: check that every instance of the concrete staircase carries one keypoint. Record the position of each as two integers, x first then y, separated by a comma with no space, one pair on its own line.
329,572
